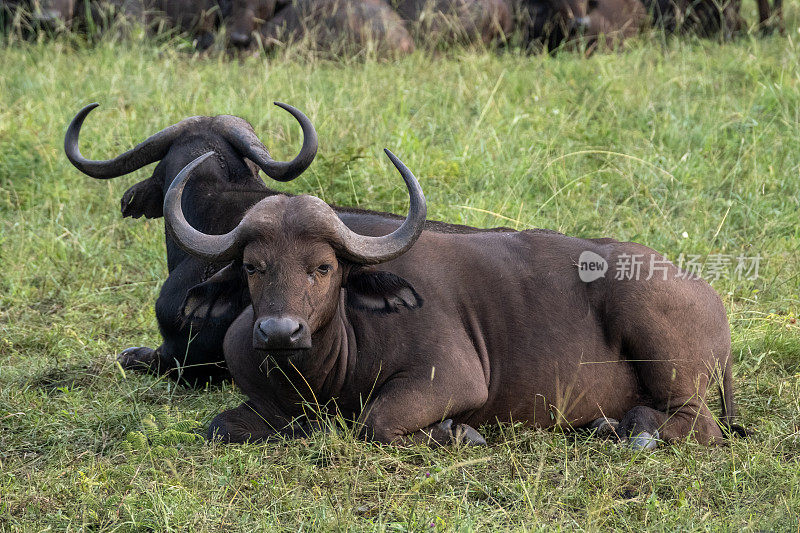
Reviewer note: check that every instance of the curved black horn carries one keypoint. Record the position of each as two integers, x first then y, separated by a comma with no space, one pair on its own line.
213,248
253,149
373,250
148,151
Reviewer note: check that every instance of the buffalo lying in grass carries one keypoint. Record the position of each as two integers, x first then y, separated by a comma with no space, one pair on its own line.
551,23
200,19
227,187
711,17
48,15
465,21
461,330
349,26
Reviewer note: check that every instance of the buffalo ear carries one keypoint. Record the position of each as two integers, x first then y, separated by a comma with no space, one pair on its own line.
220,298
146,198
380,291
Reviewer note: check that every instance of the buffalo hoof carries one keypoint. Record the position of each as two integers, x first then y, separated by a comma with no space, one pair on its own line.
462,434
604,428
140,358
644,441
465,434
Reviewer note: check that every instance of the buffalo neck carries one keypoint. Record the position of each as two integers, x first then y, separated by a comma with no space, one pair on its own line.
322,373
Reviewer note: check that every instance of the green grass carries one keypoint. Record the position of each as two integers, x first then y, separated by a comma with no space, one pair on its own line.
689,147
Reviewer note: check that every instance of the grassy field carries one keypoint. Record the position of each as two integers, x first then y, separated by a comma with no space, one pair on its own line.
689,147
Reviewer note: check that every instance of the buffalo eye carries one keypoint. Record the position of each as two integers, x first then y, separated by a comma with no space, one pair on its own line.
324,270
250,269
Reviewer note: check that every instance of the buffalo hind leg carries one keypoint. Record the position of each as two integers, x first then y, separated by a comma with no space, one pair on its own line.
675,334
644,427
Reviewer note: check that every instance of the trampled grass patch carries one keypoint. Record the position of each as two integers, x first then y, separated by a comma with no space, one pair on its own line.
688,147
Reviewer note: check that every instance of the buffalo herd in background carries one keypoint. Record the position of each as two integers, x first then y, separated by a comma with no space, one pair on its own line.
395,26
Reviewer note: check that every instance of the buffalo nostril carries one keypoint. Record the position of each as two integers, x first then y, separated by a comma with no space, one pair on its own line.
297,333
282,333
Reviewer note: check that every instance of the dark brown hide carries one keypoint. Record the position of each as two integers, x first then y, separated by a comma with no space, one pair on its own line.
507,331
340,25
771,17
465,21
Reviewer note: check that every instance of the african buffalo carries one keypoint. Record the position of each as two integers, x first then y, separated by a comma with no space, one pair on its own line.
711,17
449,21
229,191
228,186
551,23
701,17
334,25
461,330
612,20
199,18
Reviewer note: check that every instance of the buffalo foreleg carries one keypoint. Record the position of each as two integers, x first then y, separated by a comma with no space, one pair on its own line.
140,358
246,423
419,411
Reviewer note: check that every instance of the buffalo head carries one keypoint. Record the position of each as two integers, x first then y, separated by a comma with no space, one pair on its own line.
297,256
246,17
240,154
156,146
